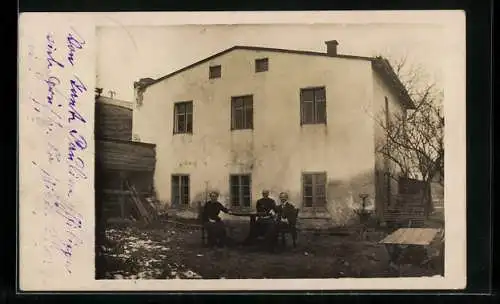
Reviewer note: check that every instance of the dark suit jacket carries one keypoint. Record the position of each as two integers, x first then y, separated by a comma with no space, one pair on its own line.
265,205
287,211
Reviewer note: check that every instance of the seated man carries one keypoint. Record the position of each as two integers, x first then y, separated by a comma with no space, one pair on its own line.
213,223
284,218
286,211
266,209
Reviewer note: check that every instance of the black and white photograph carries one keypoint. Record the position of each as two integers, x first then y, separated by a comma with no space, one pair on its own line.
226,151
269,151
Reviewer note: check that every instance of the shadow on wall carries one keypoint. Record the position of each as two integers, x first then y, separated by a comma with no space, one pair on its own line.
344,197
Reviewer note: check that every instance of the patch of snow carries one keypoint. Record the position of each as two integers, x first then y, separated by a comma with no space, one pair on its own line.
191,275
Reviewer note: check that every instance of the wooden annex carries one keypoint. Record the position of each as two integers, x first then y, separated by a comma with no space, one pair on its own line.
124,168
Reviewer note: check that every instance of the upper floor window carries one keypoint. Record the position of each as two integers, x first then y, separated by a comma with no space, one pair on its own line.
313,106
314,189
240,190
261,65
215,71
242,112
183,117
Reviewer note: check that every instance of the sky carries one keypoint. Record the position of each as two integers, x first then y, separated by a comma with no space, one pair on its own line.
126,54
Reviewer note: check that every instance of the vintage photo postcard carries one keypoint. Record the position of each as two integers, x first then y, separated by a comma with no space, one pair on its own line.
242,151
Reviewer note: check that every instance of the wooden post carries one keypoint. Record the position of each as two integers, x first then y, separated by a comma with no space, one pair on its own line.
121,197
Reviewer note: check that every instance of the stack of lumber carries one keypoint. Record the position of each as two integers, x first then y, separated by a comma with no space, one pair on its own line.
142,207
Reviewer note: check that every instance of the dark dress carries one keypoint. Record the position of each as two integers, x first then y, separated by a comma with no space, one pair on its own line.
213,223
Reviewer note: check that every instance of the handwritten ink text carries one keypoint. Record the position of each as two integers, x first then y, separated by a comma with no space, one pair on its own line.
73,44
77,87
60,150
51,83
50,52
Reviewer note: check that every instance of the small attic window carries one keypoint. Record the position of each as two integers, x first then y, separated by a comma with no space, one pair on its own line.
215,72
261,65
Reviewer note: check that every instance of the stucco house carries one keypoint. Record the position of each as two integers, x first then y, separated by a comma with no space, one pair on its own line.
252,118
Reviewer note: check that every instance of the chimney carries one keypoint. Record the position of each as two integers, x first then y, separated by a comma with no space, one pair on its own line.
331,47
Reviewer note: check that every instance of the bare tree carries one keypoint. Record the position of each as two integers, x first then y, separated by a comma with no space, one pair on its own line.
415,138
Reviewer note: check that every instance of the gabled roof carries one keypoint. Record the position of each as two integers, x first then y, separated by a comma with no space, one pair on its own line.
381,65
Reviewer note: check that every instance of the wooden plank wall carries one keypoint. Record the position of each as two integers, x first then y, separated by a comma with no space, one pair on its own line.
113,122
125,156
119,158
407,209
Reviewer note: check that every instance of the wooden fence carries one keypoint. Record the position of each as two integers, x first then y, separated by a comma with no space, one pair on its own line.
406,210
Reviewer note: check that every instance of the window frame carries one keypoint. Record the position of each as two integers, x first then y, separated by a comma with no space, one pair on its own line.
180,188
210,71
314,195
261,61
315,120
245,107
186,115
240,190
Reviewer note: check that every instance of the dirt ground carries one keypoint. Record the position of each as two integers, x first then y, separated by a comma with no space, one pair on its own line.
169,251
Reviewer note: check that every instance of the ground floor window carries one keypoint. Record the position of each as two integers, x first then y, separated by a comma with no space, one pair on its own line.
180,189
314,189
240,190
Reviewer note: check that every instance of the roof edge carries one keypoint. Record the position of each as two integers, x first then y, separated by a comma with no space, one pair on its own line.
127,142
115,102
255,48
383,66
379,63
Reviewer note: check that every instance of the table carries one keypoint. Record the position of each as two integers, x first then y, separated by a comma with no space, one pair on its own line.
251,214
402,238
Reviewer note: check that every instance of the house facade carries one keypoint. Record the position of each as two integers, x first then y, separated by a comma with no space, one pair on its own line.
252,118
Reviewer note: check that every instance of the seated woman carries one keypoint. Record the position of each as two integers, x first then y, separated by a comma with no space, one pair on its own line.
213,223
